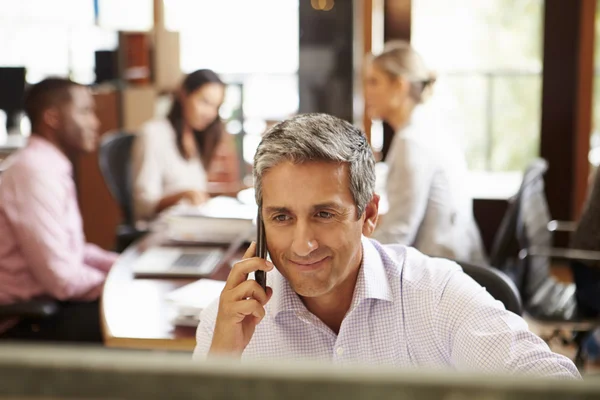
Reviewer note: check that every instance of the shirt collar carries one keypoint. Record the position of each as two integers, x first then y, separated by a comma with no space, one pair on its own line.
372,283
57,159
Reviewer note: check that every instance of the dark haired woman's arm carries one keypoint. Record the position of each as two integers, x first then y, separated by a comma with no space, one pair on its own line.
224,168
192,196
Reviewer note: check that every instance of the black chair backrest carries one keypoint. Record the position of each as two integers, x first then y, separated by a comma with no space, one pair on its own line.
115,164
524,225
505,248
497,284
532,229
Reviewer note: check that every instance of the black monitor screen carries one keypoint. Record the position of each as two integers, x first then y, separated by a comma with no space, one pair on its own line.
12,88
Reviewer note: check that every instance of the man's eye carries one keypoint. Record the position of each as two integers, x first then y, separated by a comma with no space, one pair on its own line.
324,214
280,218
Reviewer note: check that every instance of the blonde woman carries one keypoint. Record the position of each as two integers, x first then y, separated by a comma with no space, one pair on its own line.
430,207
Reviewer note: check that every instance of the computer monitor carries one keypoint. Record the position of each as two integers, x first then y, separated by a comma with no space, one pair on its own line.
60,373
107,66
12,92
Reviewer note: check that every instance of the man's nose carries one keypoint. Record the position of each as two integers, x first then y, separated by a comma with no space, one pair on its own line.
304,240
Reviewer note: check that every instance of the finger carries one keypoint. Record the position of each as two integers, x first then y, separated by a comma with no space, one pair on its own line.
244,308
251,251
269,294
241,269
248,289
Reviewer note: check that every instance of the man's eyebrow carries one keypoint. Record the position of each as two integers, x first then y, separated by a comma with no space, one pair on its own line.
333,205
320,206
272,210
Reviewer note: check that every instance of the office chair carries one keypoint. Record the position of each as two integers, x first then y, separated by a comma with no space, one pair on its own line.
524,250
36,309
496,283
115,165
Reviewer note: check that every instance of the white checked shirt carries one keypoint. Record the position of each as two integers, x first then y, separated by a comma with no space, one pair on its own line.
408,310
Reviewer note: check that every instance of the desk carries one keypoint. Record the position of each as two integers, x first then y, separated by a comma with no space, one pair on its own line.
134,311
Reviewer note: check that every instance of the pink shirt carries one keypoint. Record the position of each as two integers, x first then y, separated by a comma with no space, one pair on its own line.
42,246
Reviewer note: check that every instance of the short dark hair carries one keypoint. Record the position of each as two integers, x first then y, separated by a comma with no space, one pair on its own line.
48,93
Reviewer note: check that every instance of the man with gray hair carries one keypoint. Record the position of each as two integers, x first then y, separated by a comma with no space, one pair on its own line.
334,294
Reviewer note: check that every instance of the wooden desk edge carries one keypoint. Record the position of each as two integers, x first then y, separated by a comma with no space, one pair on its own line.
180,344
187,345
107,336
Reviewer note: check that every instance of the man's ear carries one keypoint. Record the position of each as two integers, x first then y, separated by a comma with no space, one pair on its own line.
371,216
51,117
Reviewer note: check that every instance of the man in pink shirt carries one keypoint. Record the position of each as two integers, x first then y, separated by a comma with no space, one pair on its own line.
43,251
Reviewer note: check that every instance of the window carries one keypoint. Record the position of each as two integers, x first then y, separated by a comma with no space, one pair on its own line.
488,56
51,38
594,156
254,46
129,15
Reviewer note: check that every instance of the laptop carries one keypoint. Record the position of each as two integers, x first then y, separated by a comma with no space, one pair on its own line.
178,262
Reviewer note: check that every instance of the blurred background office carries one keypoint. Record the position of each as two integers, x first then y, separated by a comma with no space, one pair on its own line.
496,89
515,82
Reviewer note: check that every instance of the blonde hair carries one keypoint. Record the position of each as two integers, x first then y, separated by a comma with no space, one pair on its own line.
399,59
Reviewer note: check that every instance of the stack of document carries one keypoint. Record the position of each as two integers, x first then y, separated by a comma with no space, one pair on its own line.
221,220
191,299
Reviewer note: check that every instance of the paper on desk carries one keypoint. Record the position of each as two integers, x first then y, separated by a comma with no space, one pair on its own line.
220,207
197,295
221,220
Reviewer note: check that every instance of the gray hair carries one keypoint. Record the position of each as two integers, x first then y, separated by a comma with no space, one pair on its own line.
318,137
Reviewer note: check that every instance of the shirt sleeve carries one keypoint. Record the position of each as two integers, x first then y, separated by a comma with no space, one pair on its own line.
147,175
407,188
480,334
99,258
38,210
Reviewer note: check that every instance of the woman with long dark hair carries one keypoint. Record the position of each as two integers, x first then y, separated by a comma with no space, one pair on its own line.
172,157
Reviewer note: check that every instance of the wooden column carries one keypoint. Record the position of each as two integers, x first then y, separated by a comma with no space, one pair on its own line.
367,48
100,212
397,19
567,102
585,99
368,39
397,25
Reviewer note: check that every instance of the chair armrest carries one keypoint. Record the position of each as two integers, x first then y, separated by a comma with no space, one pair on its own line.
36,308
560,253
562,226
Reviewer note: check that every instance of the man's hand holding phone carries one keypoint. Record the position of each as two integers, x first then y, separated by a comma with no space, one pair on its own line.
241,305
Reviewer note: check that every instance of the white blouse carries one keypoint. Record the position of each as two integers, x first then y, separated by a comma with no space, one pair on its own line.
159,169
430,207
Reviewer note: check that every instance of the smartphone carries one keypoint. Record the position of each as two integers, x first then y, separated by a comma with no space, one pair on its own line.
261,250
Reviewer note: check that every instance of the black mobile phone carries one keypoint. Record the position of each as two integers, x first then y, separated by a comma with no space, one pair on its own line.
261,250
